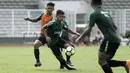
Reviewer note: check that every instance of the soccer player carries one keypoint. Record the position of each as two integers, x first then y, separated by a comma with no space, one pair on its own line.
111,41
53,38
45,18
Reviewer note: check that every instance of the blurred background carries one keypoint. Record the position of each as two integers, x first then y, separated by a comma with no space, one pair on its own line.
15,30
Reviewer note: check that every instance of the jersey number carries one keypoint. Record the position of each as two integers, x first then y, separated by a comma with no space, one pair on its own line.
105,14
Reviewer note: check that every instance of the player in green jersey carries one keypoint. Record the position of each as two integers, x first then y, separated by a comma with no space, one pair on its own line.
111,41
53,37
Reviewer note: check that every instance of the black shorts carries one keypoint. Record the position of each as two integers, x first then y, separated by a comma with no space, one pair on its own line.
42,39
56,49
109,47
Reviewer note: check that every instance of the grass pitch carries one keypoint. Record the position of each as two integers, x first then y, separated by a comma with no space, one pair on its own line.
20,59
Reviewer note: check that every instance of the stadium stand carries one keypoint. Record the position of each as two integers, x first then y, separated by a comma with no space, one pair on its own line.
116,4
18,4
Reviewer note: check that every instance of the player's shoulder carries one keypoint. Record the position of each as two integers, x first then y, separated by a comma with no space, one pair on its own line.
42,14
93,14
64,22
52,22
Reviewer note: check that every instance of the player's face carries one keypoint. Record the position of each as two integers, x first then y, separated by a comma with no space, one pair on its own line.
60,17
49,9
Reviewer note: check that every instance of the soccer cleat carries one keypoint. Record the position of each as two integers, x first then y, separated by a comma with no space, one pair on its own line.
127,66
61,66
38,64
71,68
69,63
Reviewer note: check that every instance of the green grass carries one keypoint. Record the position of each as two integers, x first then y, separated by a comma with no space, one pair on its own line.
21,60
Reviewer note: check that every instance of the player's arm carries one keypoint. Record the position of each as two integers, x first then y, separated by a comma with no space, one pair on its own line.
84,34
115,27
88,30
72,32
33,19
69,30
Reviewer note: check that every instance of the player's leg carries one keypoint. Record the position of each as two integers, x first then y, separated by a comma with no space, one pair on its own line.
106,62
66,38
106,53
112,47
56,51
103,63
68,60
39,42
64,44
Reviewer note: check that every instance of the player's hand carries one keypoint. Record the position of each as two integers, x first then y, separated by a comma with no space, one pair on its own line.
48,40
78,40
26,19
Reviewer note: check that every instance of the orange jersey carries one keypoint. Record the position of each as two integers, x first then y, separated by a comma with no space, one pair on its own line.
45,19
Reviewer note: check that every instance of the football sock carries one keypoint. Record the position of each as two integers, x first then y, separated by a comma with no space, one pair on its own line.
106,68
36,54
62,61
115,63
67,58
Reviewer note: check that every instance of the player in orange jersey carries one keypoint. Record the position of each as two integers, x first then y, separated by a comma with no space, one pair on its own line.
45,18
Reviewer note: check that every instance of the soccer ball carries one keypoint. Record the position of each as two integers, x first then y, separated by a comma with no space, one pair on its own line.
70,51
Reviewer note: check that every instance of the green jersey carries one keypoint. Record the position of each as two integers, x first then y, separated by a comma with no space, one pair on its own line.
105,23
54,29
65,34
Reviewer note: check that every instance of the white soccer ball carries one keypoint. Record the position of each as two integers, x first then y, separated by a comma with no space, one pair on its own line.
70,51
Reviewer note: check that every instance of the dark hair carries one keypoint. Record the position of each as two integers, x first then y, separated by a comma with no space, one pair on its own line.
50,4
59,12
96,2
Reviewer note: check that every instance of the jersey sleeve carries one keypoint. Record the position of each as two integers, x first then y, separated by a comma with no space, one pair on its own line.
92,20
46,26
40,17
65,25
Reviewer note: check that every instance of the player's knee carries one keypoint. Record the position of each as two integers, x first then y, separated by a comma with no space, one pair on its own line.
101,62
37,44
66,45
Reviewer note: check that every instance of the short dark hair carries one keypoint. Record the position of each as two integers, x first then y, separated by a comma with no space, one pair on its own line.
50,4
58,12
96,2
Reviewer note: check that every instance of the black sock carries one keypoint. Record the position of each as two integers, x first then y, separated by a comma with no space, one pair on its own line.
36,53
62,61
115,63
67,58
106,68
